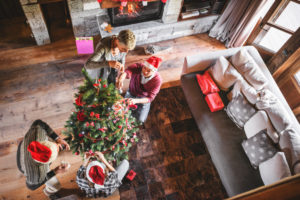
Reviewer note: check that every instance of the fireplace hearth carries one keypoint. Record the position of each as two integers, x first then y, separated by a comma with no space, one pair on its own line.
135,12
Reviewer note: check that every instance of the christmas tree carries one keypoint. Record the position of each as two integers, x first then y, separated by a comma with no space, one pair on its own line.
102,121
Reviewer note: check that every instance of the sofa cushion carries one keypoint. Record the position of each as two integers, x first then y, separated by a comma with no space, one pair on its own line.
224,73
278,115
259,148
206,83
289,142
248,68
274,169
241,86
239,110
258,122
223,141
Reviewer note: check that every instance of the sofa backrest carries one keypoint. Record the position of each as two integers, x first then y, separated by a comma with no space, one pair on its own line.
202,61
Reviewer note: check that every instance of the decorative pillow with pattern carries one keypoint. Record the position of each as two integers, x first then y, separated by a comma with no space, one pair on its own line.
224,74
239,110
259,148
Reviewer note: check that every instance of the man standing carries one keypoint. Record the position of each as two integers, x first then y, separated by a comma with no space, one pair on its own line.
144,85
36,153
109,56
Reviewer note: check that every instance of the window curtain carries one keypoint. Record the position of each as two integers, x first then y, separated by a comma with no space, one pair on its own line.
237,22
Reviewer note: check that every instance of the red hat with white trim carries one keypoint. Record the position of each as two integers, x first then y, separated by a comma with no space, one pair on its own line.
43,152
153,63
95,173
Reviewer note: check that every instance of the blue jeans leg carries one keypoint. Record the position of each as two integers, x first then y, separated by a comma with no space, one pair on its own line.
142,111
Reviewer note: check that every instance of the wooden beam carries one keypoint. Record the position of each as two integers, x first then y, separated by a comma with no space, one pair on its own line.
109,4
290,61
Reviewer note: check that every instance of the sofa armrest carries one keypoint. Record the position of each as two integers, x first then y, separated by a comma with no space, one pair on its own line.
202,61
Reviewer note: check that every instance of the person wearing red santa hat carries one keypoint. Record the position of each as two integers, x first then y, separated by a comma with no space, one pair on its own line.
145,83
97,178
36,153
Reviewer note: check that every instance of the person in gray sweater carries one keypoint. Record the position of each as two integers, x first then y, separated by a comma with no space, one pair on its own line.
109,56
36,153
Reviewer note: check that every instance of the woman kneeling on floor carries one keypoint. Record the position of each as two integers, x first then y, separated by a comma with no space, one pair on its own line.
99,178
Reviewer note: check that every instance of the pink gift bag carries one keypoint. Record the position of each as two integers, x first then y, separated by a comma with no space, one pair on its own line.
85,45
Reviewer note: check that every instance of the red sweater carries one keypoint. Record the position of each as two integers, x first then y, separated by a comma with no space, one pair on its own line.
136,88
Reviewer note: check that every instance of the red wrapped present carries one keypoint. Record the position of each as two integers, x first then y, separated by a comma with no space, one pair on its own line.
206,83
131,175
214,102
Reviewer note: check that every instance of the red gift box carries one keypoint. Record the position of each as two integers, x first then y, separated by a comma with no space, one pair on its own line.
131,175
214,102
206,83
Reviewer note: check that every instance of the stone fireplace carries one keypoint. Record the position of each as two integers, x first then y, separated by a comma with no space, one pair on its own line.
168,26
135,12
150,20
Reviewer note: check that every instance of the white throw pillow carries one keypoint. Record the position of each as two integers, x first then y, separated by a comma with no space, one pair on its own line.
274,169
224,73
258,122
241,86
248,68
289,142
279,117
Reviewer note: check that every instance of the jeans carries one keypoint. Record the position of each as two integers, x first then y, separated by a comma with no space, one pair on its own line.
122,169
142,111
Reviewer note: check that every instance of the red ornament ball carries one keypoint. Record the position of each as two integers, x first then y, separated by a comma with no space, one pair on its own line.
80,116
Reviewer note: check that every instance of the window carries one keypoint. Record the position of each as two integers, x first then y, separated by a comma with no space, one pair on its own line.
279,25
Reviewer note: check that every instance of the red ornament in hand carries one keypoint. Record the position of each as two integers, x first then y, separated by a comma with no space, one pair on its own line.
164,1
133,106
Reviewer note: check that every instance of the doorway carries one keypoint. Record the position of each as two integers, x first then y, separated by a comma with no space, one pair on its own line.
15,31
57,18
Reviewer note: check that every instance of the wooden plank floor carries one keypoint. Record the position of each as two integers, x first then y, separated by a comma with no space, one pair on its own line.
39,83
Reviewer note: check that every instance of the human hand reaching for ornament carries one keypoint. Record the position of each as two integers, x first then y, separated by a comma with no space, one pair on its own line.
100,156
62,144
62,168
133,101
120,80
117,65
102,159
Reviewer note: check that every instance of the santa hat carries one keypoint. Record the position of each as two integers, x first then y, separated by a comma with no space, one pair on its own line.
43,152
153,63
95,173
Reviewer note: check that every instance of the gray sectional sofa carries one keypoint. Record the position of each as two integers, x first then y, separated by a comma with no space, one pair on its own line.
222,137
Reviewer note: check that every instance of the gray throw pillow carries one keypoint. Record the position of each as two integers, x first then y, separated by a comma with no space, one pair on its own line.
239,110
259,148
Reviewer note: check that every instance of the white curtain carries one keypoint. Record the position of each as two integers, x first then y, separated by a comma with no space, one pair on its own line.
237,21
